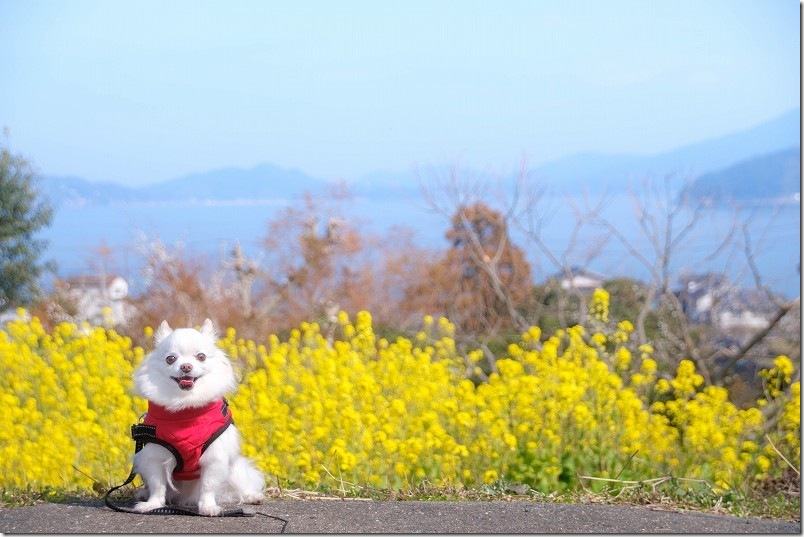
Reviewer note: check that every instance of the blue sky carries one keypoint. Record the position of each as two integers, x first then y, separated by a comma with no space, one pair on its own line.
138,92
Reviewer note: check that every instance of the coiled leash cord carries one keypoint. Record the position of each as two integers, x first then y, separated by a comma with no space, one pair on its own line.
240,512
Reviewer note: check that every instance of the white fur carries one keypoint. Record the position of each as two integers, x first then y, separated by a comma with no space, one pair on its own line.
226,475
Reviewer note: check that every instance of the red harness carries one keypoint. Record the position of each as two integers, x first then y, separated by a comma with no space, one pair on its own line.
186,433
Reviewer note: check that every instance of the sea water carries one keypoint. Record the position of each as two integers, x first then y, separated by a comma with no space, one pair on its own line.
716,243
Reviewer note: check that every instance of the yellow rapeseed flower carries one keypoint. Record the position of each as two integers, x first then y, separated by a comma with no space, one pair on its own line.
599,306
395,413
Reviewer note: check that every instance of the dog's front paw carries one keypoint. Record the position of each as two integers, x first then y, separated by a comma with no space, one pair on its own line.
209,509
144,507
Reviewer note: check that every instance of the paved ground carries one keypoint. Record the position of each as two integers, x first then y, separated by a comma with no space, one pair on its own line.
354,516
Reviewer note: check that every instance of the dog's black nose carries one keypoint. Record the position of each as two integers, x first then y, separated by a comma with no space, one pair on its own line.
186,368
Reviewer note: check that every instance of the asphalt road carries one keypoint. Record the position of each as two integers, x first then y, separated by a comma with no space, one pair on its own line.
355,516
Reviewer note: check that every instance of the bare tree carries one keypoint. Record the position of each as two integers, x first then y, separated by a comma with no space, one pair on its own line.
524,207
320,260
666,220
483,282
309,251
174,289
246,271
668,226
532,218
782,307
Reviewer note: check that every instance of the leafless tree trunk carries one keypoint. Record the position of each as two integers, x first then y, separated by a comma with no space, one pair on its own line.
783,307
666,220
450,196
523,209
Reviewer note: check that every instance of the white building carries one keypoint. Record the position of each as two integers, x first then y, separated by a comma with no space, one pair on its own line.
580,279
92,293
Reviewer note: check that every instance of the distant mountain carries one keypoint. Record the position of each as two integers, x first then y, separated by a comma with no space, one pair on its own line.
263,182
773,177
592,172
597,172
77,191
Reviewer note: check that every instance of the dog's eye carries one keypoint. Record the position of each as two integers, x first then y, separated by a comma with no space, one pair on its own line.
170,358
201,356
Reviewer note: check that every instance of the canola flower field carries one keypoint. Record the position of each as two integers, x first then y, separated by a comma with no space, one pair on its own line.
360,409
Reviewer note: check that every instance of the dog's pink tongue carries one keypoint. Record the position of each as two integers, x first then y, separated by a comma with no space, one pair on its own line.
186,382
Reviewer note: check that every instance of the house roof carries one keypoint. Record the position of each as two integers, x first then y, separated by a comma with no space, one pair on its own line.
575,271
91,280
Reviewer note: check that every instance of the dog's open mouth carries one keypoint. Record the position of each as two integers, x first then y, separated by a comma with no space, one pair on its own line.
185,382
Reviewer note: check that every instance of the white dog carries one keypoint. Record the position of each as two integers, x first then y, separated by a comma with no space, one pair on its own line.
192,454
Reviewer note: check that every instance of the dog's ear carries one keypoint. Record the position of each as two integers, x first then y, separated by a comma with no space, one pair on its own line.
162,332
208,329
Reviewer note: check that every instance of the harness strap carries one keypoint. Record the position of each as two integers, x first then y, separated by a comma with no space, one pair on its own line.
144,434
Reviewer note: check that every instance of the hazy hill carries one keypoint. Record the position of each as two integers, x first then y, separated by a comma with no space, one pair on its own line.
73,190
265,181
589,171
772,177
600,172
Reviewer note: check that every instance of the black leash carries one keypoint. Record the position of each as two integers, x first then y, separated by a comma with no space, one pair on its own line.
173,510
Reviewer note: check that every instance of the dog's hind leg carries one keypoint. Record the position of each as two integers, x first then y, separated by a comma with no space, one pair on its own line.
247,481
